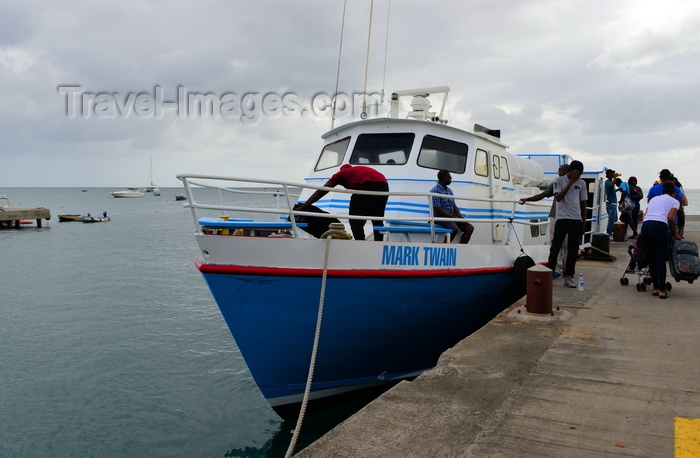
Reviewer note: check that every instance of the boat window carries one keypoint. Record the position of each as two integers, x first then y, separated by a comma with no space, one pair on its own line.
496,167
332,154
505,172
481,161
381,149
442,154
534,228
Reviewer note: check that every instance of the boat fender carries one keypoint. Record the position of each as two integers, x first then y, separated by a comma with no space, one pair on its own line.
337,231
520,266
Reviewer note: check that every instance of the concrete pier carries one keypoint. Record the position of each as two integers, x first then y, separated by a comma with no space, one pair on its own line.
10,217
619,377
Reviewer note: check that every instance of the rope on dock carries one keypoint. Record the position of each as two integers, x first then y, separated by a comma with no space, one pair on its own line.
310,378
603,254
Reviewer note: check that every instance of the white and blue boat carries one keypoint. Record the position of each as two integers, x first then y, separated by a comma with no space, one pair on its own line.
390,308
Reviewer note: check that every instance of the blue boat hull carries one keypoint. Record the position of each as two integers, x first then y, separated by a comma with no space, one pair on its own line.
373,330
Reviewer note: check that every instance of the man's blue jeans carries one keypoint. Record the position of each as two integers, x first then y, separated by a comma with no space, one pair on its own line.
612,216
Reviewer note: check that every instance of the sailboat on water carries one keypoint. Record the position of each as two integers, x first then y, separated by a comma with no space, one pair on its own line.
152,188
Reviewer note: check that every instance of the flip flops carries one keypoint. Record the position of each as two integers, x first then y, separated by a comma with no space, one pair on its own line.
663,295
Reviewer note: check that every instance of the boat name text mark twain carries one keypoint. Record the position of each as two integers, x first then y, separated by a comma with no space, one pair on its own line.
398,255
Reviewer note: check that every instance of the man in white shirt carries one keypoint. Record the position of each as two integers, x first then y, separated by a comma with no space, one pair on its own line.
571,196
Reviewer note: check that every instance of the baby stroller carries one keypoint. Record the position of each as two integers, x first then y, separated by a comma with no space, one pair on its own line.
638,265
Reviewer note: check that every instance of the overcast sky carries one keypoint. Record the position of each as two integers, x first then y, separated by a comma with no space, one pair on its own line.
611,83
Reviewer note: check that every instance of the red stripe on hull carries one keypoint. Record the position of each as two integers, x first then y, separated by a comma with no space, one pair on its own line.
295,272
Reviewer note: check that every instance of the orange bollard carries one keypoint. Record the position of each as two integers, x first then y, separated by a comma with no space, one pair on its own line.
539,290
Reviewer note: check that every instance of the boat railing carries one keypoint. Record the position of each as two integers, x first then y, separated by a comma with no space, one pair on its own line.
289,192
593,220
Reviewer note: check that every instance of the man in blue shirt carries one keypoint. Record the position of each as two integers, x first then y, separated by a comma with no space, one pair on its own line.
656,190
445,207
664,177
611,199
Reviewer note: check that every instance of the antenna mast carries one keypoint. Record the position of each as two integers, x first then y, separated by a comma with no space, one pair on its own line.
363,115
337,76
386,47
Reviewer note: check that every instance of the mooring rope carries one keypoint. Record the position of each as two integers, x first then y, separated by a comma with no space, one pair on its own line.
307,391
515,233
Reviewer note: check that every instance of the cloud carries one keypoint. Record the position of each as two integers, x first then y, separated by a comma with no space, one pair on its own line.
651,33
611,83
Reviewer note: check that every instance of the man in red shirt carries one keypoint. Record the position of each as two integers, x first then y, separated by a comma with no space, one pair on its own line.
359,178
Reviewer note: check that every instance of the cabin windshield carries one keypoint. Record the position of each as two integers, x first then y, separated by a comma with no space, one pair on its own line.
442,154
382,149
332,154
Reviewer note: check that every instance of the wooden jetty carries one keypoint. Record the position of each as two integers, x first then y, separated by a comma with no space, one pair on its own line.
10,217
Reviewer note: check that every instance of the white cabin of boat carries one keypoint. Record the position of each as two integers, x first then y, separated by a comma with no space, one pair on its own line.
410,153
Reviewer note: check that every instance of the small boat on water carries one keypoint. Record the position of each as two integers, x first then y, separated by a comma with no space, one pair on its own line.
70,217
96,219
274,192
390,307
180,197
152,188
127,193
84,218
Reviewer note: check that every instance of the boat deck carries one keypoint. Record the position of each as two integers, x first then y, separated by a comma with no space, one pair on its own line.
218,226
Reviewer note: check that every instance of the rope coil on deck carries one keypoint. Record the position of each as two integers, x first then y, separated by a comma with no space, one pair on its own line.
336,231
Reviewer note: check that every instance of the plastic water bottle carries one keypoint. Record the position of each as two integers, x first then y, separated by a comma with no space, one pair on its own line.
580,282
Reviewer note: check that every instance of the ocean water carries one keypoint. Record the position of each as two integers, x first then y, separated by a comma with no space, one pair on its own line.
693,195
112,345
